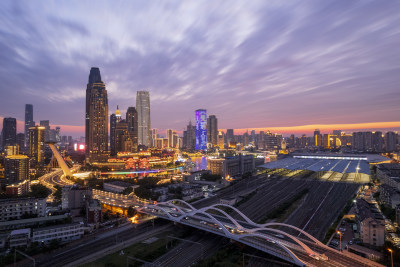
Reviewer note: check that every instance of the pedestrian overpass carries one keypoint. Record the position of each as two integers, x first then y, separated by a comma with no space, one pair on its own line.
300,248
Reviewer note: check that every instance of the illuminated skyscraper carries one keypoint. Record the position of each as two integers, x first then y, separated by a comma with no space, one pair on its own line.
9,132
36,144
201,130
212,130
96,118
143,111
28,122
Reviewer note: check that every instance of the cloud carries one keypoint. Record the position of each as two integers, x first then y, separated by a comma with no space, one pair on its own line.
252,64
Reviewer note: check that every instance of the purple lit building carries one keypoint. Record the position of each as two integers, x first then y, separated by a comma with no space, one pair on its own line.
201,130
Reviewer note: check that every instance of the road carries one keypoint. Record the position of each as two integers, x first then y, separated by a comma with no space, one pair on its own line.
77,250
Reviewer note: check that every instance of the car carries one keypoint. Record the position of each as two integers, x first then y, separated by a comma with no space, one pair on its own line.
203,222
186,218
350,242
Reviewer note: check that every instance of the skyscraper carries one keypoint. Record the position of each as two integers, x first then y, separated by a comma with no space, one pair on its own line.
114,119
21,141
36,144
9,132
132,120
212,130
229,136
201,131
28,121
143,111
391,141
96,118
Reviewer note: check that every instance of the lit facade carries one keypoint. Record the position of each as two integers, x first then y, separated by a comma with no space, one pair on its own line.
143,112
28,122
36,144
201,129
16,169
96,118
132,120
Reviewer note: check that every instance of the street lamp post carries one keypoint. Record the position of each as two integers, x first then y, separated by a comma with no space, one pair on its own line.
340,240
391,255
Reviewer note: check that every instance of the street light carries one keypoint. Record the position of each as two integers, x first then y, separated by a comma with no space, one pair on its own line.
391,255
340,240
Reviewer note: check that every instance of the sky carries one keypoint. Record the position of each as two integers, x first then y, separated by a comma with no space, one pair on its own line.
289,66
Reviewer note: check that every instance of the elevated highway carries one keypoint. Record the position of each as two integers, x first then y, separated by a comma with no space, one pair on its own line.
301,249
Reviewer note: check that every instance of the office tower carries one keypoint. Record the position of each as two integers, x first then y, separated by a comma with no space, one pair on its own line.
46,125
9,132
16,169
21,141
170,137
28,122
212,130
175,138
327,141
36,144
58,134
143,111
391,141
64,139
132,120
201,131
11,150
229,136
123,141
114,119
378,141
69,139
190,140
317,138
96,118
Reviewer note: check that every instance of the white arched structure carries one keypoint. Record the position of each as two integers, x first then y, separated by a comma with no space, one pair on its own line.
60,160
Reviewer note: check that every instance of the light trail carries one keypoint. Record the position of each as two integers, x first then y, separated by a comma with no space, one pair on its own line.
140,172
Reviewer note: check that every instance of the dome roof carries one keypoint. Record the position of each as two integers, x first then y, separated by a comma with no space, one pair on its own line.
117,112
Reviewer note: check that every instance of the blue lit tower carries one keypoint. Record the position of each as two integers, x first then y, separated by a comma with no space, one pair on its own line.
201,129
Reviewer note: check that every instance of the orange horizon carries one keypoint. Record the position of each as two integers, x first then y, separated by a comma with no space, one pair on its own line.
303,129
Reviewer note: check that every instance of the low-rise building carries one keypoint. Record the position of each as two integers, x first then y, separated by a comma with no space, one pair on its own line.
389,195
93,211
365,252
371,223
20,238
64,233
389,173
18,189
117,186
74,198
17,208
232,166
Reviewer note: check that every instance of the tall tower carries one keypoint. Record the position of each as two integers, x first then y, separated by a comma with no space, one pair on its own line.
36,144
9,132
28,122
201,131
132,120
143,111
96,118
114,119
212,130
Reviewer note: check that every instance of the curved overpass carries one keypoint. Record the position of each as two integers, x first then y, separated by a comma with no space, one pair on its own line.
302,251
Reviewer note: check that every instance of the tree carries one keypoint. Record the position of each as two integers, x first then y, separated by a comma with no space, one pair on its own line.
39,191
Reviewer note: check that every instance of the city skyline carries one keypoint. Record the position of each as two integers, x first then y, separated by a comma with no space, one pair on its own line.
268,76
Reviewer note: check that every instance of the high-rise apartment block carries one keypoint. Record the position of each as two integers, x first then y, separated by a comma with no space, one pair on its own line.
201,131
16,169
143,112
96,118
